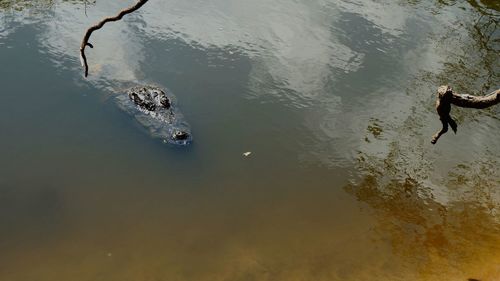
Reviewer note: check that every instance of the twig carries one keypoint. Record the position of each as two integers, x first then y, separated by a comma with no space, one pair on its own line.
446,97
99,25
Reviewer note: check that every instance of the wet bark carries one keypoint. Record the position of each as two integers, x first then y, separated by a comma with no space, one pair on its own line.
447,97
99,25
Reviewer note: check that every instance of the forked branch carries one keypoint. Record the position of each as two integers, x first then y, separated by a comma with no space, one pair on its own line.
446,97
99,25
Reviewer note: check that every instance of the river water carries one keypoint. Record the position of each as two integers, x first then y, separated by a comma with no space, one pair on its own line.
333,98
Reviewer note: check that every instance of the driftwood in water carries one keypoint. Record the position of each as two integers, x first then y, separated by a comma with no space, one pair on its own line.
446,97
99,25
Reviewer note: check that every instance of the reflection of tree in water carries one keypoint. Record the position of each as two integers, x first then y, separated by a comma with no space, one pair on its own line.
19,5
471,63
452,230
475,65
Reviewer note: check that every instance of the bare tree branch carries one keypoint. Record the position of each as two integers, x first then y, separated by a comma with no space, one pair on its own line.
99,25
446,97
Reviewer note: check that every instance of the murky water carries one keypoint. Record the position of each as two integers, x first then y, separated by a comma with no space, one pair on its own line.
333,98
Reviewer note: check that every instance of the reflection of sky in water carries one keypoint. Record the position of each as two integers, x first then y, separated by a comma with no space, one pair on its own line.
344,64
294,44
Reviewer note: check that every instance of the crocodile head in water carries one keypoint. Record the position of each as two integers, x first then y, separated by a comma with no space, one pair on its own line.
157,112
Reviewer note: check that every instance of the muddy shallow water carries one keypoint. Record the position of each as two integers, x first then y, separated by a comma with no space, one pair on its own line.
333,98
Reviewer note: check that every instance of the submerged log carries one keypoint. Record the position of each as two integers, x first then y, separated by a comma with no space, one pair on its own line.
446,97
99,25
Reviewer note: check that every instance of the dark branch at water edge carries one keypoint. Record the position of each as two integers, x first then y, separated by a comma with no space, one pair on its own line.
446,97
99,25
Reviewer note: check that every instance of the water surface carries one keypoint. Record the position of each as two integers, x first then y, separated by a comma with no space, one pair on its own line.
333,98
